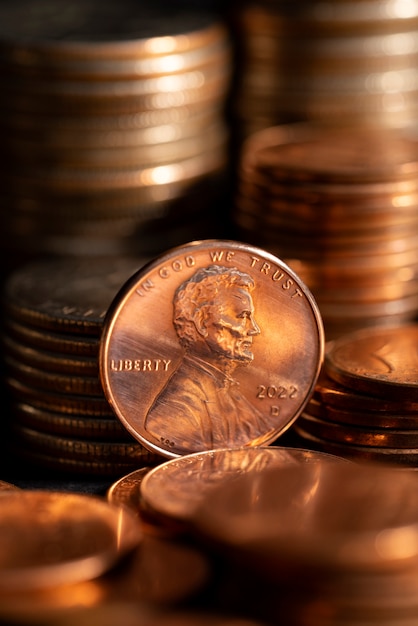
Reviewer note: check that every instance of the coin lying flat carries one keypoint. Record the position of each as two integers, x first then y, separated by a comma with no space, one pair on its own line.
173,491
213,344
51,538
301,513
382,362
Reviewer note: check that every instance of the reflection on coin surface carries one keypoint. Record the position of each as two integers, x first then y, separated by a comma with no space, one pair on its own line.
213,344
351,516
176,488
51,538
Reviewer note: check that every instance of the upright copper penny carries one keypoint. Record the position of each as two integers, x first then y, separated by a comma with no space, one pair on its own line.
213,344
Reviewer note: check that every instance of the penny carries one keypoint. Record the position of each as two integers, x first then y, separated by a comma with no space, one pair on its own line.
213,344
173,490
71,294
303,516
357,416
126,490
82,385
128,452
104,428
51,538
394,457
365,435
69,403
157,573
377,361
47,360
331,394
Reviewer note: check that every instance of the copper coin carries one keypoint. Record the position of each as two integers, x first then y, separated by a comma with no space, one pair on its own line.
104,428
338,516
381,418
213,344
174,490
361,435
331,394
377,361
126,490
394,457
51,538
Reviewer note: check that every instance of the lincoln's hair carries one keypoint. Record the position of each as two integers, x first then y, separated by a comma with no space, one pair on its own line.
197,295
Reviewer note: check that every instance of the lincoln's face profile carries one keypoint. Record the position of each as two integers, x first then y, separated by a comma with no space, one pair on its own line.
201,406
214,315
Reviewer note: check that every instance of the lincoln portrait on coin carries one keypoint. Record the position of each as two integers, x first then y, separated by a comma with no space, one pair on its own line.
201,406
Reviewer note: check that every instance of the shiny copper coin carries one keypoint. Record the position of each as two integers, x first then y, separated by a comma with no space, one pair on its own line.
213,344
51,538
359,416
334,517
361,435
381,362
126,490
331,394
175,489
394,457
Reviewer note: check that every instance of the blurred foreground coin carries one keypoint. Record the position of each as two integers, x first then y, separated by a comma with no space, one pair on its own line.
53,538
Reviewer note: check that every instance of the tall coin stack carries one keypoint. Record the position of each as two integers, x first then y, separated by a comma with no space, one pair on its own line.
340,205
112,121
321,60
59,418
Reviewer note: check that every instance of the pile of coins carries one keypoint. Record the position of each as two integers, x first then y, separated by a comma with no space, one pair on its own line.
364,406
340,205
59,417
114,138
333,62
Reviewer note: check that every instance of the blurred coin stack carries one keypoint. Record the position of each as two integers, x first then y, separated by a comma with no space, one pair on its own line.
340,205
322,60
365,404
59,418
112,122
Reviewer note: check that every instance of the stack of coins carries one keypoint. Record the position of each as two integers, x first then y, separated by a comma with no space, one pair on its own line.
324,545
365,403
114,138
340,205
327,61
59,417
